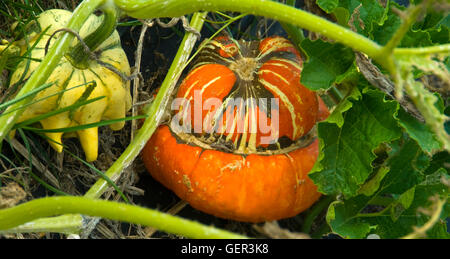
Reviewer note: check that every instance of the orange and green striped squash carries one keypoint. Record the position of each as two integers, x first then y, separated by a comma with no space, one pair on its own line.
229,150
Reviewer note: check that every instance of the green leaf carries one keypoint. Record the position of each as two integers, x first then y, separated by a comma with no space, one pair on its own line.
430,105
353,218
382,33
407,198
417,38
406,162
336,116
346,153
371,186
352,76
372,13
438,161
326,61
431,30
403,202
420,132
432,19
431,186
342,15
365,13
328,5
342,218
440,36
436,24
404,187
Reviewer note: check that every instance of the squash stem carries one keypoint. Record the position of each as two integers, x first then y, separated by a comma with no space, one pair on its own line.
78,55
268,8
315,211
66,224
294,32
52,206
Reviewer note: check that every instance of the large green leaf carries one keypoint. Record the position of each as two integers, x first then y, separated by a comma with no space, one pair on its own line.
328,5
406,162
439,160
369,12
343,217
372,185
337,115
431,30
382,33
347,152
387,227
437,25
326,62
429,104
365,13
419,132
393,210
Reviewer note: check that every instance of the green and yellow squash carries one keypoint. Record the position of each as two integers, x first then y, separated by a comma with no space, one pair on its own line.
75,75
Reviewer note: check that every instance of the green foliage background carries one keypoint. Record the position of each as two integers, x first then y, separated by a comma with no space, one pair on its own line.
382,163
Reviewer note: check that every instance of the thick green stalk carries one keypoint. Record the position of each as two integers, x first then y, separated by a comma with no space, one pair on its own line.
444,49
412,14
48,64
286,14
154,113
66,224
78,55
314,212
395,40
295,33
53,206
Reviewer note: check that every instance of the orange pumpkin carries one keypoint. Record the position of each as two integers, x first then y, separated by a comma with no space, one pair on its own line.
241,138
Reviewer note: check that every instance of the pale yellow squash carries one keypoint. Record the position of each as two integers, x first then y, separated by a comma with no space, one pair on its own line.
115,88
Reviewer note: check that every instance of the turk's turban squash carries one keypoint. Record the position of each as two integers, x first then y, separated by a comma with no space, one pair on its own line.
241,138
74,81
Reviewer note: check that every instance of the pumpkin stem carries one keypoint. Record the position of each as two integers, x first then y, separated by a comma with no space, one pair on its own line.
78,55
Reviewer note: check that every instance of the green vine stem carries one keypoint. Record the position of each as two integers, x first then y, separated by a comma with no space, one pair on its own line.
155,111
420,232
295,33
48,64
283,13
77,55
52,206
145,9
444,48
410,17
315,211
66,224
